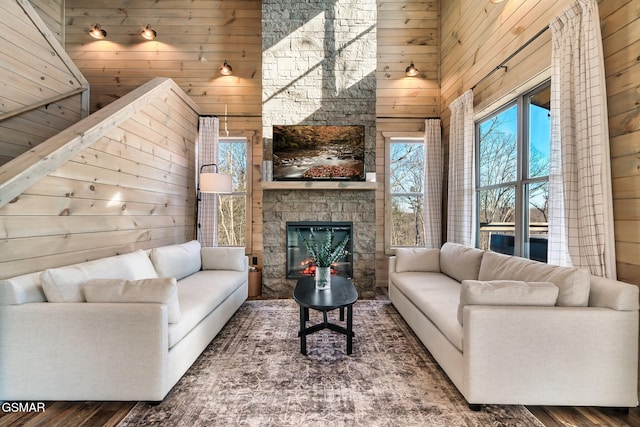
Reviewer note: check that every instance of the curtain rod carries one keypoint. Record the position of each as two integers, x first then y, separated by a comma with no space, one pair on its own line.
520,49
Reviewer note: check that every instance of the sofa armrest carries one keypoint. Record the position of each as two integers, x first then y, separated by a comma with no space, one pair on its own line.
534,355
392,269
83,351
608,293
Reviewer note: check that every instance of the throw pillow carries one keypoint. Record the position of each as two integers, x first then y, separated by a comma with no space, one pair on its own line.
223,259
574,283
161,291
460,262
417,259
177,260
63,284
506,292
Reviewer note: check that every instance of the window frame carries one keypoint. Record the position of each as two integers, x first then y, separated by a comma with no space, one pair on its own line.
245,139
522,181
388,138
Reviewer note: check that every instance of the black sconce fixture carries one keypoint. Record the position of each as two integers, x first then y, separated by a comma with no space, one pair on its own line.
148,33
97,32
411,70
226,69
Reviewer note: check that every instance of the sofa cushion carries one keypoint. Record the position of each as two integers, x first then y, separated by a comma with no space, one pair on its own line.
437,296
506,292
177,260
460,262
573,283
21,289
417,259
158,290
199,295
223,259
63,284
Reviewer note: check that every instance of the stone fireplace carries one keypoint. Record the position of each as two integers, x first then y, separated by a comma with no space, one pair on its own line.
318,68
282,206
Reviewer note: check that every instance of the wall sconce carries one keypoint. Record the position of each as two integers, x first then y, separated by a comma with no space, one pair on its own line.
97,32
226,69
214,182
148,33
496,1
411,70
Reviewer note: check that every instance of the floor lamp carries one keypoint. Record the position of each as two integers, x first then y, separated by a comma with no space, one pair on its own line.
211,182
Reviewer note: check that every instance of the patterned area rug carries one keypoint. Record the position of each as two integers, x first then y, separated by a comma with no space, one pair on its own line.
253,374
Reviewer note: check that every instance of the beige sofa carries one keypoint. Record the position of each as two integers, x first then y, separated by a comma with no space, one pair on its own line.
502,339
121,328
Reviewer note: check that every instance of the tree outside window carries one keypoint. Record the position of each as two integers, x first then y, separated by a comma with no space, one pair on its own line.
513,176
232,208
406,183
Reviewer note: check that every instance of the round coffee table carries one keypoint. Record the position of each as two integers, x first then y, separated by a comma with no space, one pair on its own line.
341,294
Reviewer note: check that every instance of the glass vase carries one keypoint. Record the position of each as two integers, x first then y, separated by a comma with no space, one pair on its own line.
323,278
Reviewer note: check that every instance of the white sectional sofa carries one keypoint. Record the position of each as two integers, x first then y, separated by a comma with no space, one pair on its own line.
568,339
120,328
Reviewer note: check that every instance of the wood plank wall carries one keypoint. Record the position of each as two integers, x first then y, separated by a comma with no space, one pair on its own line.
52,13
408,31
621,43
131,189
477,36
32,71
194,38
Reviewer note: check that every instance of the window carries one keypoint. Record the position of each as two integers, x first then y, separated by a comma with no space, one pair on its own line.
232,208
513,176
406,191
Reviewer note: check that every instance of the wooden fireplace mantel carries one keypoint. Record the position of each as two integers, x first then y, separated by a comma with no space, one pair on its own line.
319,185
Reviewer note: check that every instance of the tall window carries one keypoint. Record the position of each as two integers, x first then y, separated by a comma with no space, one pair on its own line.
232,208
513,176
406,184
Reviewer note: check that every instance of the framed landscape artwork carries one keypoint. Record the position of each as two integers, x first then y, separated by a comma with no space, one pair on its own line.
303,153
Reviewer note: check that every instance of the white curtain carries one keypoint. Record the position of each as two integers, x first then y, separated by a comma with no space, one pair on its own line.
580,200
207,153
461,204
432,183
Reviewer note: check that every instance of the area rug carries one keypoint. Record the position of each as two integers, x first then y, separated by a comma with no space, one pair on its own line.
252,374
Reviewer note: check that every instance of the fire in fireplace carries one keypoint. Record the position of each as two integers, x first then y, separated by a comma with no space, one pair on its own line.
298,261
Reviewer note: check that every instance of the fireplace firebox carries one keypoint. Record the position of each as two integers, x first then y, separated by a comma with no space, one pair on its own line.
299,263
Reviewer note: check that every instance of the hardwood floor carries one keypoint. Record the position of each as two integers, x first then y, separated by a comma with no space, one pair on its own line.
63,414
109,414
560,416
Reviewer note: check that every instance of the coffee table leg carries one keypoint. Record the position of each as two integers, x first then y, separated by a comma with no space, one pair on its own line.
303,334
349,328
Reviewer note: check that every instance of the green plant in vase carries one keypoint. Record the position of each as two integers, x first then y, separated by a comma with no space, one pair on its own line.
323,254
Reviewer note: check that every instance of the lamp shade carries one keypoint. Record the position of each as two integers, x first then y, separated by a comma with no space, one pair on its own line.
215,183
